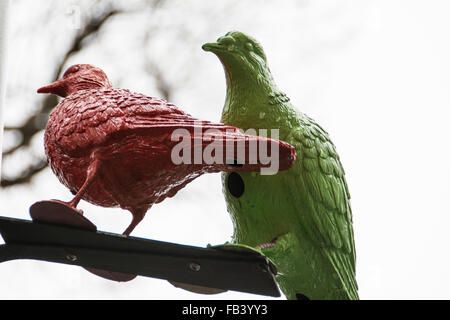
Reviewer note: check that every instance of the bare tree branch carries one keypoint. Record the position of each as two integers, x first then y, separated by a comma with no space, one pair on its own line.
34,123
162,85
26,175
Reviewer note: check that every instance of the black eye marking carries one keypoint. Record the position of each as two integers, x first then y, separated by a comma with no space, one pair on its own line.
235,185
300,296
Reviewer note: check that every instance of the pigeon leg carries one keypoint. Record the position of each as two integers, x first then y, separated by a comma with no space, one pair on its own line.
138,215
90,178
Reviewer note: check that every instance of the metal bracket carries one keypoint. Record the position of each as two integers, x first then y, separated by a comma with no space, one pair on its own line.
245,271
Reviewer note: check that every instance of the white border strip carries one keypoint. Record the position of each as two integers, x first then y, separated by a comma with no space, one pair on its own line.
4,6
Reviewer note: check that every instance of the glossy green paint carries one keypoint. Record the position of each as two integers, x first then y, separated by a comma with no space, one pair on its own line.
305,210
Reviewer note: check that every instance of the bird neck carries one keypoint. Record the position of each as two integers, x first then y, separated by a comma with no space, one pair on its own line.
248,97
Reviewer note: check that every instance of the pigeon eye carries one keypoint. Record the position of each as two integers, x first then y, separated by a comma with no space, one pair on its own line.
71,70
226,41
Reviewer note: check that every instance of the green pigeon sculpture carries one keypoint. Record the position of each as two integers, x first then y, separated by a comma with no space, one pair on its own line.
300,218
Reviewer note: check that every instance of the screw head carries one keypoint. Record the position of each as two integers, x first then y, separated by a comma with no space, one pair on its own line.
194,266
71,257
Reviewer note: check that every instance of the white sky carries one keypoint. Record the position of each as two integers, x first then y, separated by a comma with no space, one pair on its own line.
374,74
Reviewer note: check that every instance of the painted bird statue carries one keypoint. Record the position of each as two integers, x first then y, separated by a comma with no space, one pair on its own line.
113,147
300,218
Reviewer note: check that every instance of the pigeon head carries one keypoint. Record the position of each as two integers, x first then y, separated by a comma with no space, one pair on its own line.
238,50
78,77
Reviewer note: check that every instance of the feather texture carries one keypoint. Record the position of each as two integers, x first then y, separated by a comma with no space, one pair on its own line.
305,210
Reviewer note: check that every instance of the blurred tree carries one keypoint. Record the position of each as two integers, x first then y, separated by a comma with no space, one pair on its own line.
146,22
33,123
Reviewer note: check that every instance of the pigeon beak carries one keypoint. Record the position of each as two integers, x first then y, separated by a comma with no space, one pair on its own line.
58,87
211,46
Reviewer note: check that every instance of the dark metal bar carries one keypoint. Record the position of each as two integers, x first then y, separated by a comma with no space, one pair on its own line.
244,271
